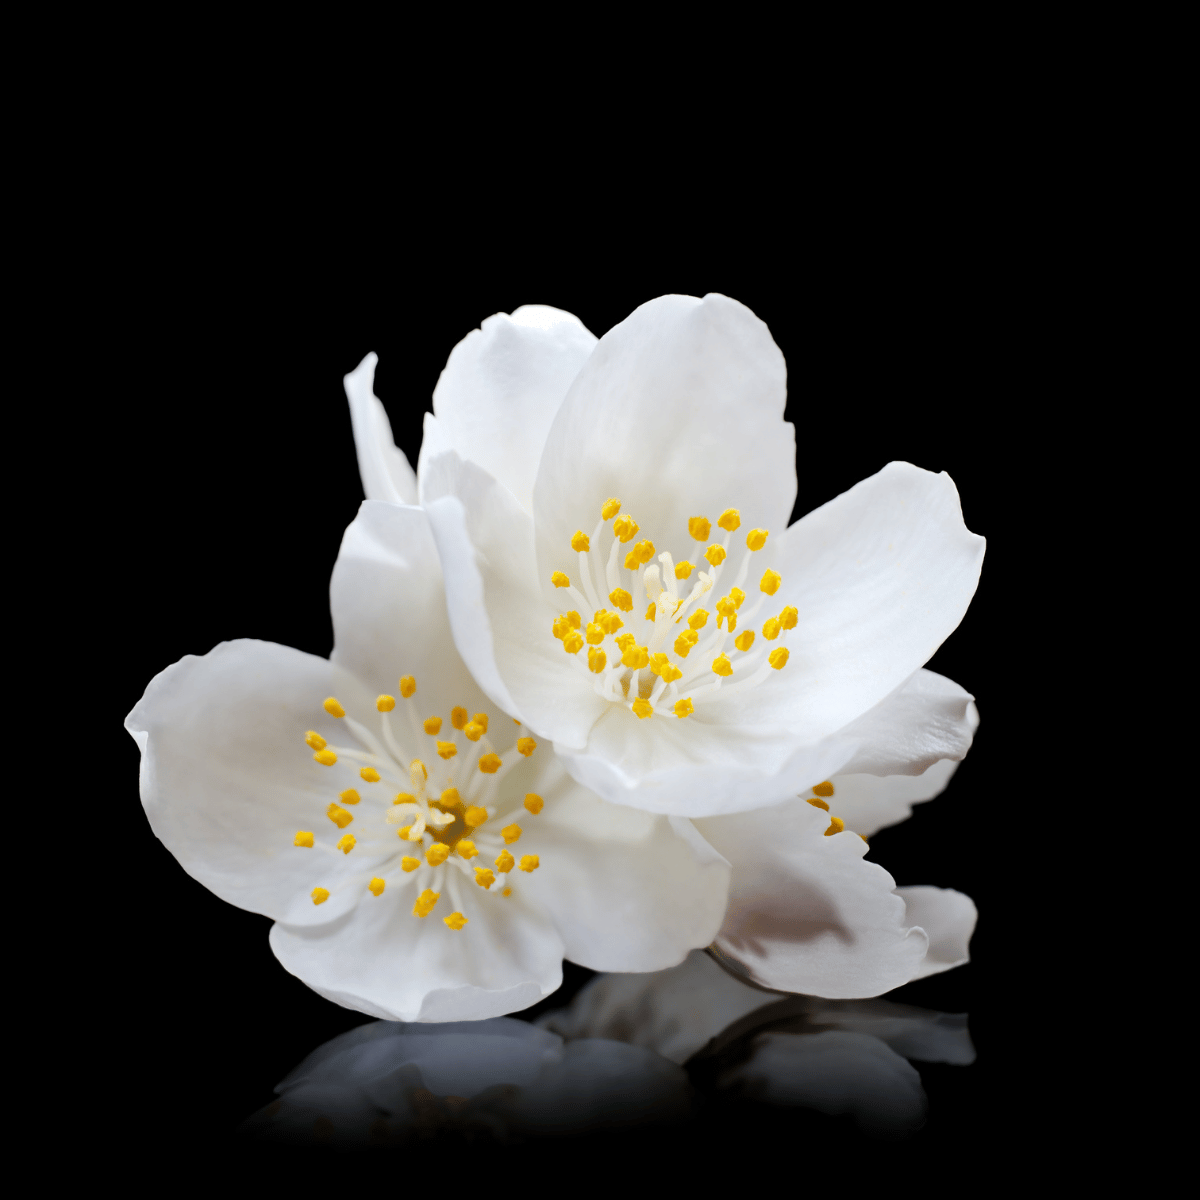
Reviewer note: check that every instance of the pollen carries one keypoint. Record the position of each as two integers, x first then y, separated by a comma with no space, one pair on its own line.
425,902
347,842
446,749
303,837
530,862
715,555
736,595
450,800
573,642
349,796
510,833
625,641
466,848
403,833
636,657
684,708
408,686
721,665
657,662
376,886
683,569
333,708
756,539
481,719
369,774
643,552
622,599
730,519
560,579
725,608
596,660
744,641
458,717
339,816
533,802
475,816
489,764
504,862
770,582
824,789
580,541
484,877
325,757
771,629
610,622
836,825
314,740
625,527
384,702
685,641
409,864
699,528
526,746
437,854
698,619
642,709
651,611
778,657
670,673
474,731
594,634
432,725
455,921
787,618
819,804
611,507
320,895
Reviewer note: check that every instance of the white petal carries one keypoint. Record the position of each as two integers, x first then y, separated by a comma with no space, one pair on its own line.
501,388
677,413
948,918
227,781
385,472
806,913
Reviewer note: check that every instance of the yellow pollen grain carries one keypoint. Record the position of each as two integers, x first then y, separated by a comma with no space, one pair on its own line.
580,541
425,902
333,708
770,629
458,717
683,569
824,789
715,555
836,825
610,508
384,702
504,862
722,666
408,686
347,842
770,582
404,798
699,528
642,709
778,658
756,539
432,725
510,833
325,757
369,774
320,895
530,862
819,804
409,864
314,740
339,816
730,519
437,854
636,657
484,877
787,618
376,886
446,749
473,732
466,848
349,796
622,599
489,764
450,800
533,802
475,816
685,641
625,527
455,921
594,634
481,719
596,660
744,641
651,611
526,746
685,707
303,837
560,579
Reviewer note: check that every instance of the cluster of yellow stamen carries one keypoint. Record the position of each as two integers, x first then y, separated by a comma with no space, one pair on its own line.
820,799
638,670
439,828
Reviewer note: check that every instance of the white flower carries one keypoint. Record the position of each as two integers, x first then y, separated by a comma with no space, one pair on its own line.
422,857
611,519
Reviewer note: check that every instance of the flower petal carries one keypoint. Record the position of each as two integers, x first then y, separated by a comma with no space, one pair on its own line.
806,913
385,471
678,412
501,388
948,917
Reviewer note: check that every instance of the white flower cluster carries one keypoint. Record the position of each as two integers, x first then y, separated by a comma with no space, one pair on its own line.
590,697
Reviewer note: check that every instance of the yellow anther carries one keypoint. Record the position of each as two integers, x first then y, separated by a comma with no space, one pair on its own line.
432,725
732,622
756,539
504,862
596,660
643,552
721,665
699,528
425,902
636,657
787,618
715,555
333,708
744,641
657,662
384,702
409,864
475,816
455,921
560,579
489,764
376,886
771,629
314,740
458,717
530,862
325,757
575,621
404,798
580,541
836,825
642,709
698,619
770,582
415,766
408,686
484,877
506,892
320,895
446,749
685,707
339,816
474,731
561,626
349,796
369,774
824,789
725,608
625,527
510,833
437,854
573,642
610,622
466,848
670,673
652,611
864,839
730,519
736,595
778,658
347,842
450,800
404,831
683,570
303,837
622,599
685,641
625,641
611,507
526,746
533,802
594,635
819,804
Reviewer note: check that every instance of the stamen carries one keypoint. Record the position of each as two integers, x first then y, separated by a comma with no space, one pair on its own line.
533,802
683,570
384,702
425,902
474,731
730,519
315,740
504,862
594,635
715,555
320,895
642,709
636,657
819,804
508,891
622,599
446,750
530,863
466,848
481,719
339,816
437,854
651,611
347,842
722,666
484,877
756,539
596,659
408,686
625,528
580,541
376,886
573,642
325,757
432,725
787,618
369,774
409,864
642,553
699,528
611,507
303,837
450,800
458,717
560,579
778,658
770,582
824,789
475,816
489,764
526,746
609,622
685,707
349,796
510,833
333,708
836,825
771,629
686,640
455,921
744,641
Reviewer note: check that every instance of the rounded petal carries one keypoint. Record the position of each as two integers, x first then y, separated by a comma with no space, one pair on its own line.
501,388
806,913
227,780
948,917
385,471
678,412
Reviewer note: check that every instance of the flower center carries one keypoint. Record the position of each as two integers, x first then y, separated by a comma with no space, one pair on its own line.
427,833
650,673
